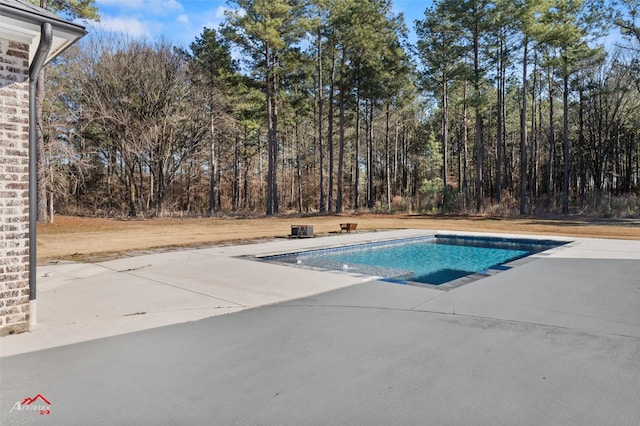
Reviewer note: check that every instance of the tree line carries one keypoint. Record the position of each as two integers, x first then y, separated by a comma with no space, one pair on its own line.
324,106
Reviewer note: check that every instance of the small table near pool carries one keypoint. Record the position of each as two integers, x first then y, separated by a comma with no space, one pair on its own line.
348,227
300,231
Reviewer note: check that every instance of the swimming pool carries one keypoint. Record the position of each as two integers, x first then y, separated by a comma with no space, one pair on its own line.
432,260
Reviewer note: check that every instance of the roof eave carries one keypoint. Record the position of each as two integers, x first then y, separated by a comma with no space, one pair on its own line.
67,33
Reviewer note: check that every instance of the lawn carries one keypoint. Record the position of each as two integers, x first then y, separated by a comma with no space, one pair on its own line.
92,239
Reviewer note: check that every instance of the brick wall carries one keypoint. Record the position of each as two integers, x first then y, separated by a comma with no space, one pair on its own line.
14,187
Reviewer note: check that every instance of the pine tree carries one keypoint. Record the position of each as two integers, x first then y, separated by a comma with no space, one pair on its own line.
570,24
214,71
440,49
265,30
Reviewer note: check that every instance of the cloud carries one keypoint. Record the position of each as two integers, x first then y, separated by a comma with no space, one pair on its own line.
220,11
179,21
163,7
153,7
129,26
121,4
210,18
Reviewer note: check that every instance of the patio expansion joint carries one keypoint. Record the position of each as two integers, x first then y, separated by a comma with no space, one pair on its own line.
535,324
159,282
458,315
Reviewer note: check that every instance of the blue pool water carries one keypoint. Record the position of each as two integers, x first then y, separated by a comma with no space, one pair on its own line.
432,260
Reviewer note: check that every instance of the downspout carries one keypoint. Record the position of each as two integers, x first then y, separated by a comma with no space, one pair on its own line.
46,37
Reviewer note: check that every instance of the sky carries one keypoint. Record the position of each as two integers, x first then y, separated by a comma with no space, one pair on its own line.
181,21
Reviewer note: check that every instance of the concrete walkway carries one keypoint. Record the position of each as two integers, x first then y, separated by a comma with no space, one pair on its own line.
555,340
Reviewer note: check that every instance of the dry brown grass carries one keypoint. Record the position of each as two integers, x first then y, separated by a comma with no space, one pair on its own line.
89,239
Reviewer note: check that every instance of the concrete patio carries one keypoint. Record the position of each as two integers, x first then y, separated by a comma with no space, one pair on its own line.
142,340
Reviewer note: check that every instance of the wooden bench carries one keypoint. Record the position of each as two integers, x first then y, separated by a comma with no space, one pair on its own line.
348,227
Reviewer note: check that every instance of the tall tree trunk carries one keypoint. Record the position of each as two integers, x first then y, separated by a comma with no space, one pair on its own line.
330,131
274,151
298,175
533,151
323,207
465,140
445,136
396,137
387,157
479,162
357,149
581,144
270,133
523,133
51,206
139,198
131,180
212,160
538,144
405,164
236,172
459,158
370,187
246,161
565,142
479,138
552,144
507,169
341,101
218,180
499,124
